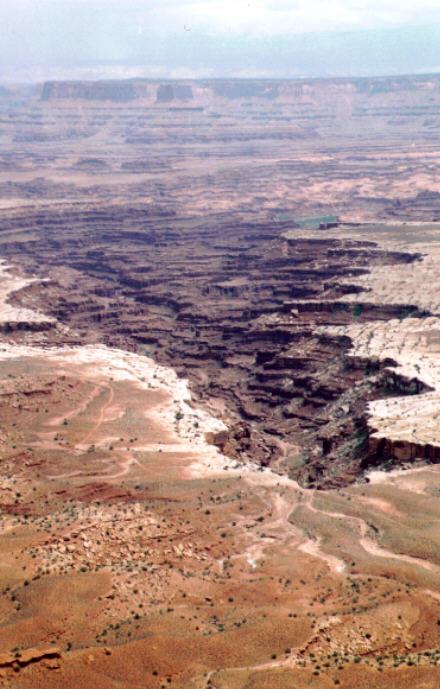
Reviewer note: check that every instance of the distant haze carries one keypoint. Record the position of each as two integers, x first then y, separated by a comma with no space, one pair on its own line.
49,39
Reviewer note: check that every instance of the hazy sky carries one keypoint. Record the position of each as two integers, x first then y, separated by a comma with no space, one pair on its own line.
169,38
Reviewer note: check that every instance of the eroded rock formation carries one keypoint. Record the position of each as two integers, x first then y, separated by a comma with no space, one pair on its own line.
235,307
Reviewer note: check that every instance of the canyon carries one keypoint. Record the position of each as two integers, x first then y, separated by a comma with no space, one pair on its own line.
220,383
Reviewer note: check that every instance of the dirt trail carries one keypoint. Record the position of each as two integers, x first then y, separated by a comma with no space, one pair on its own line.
289,536
57,420
373,549
100,419
277,529
313,548
371,546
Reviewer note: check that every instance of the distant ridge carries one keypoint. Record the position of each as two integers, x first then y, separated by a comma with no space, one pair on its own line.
199,93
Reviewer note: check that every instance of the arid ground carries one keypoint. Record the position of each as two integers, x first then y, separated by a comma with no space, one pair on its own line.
220,384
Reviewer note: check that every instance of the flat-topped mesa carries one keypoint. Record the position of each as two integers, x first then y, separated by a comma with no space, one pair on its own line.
116,91
358,93
169,92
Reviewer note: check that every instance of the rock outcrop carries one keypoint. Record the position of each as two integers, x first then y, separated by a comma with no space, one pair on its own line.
20,659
